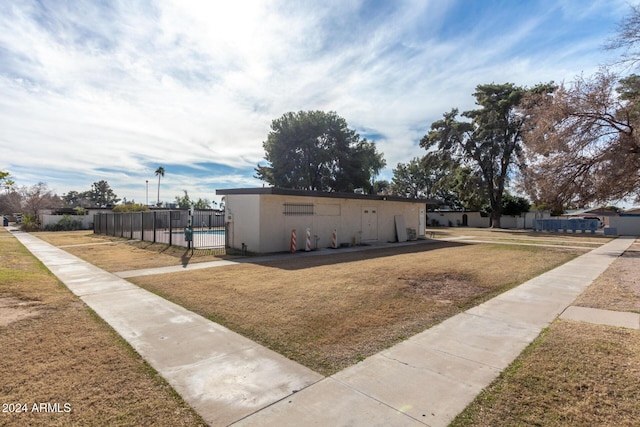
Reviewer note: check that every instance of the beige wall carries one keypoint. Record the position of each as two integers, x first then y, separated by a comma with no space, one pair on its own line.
259,221
243,216
475,220
626,225
86,220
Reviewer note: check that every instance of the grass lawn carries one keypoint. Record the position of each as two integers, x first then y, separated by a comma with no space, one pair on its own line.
586,240
117,254
574,373
56,351
329,312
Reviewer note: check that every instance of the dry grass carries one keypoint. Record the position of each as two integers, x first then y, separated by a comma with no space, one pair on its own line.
116,254
619,287
329,312
586,240
574,373
55,350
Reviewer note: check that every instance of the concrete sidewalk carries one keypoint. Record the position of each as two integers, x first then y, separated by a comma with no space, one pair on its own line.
425,380
221,374
431,377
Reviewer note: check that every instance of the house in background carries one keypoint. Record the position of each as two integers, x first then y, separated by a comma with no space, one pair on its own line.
262,218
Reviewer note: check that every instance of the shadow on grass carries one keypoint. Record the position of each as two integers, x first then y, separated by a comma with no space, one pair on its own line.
186,257
300,261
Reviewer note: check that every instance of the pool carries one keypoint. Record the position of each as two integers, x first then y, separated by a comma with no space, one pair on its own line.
201,232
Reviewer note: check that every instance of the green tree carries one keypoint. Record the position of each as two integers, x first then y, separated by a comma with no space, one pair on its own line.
463,189
411,180
6,181
10,200
160,174
184,202
131,207
101,194
514,205
381,187
202,204
436,175
74,198
489,141
315,150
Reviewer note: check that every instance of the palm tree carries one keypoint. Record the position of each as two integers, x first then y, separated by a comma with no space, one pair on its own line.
159,174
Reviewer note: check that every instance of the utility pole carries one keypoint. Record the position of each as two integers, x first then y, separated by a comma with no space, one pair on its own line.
147,203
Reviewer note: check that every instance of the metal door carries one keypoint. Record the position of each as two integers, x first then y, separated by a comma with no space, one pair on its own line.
369,223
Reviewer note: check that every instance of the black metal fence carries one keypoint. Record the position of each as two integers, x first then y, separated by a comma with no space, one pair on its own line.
167,226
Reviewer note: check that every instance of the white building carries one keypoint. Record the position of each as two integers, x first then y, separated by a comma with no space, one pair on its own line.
263,218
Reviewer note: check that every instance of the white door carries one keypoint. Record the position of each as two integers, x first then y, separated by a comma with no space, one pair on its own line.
369,223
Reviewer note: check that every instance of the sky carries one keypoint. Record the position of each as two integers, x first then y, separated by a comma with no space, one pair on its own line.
111,90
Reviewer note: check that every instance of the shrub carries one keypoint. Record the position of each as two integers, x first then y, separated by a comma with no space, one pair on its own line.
29,223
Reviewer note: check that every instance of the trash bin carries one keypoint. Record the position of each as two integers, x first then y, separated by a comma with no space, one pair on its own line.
5,221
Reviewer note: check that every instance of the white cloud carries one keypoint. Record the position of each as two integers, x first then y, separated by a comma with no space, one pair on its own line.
97,90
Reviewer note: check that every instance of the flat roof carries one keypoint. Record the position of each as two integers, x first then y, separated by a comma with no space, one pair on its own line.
309,193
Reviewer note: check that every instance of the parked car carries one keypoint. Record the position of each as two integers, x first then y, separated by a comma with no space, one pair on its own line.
600,224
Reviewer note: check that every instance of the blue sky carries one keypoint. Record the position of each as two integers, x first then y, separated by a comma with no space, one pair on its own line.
110,90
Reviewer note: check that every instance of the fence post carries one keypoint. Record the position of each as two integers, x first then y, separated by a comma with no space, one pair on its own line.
154,225
170,229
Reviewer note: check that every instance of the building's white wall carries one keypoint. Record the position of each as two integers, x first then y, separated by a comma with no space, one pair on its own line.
86,220
454,219
343,215
474,219
626,225
509,221
244,226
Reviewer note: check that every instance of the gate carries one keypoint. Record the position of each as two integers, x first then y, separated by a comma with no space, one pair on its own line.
209,230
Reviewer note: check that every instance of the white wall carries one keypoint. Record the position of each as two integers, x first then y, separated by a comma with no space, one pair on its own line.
86,220
243,213
626,225
263,226
474,219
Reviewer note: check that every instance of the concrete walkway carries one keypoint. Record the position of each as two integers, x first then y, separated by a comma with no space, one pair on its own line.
425,380
221,374
431,377
602,317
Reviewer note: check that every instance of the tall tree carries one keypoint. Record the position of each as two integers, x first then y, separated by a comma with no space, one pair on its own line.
101,194
315,150
160,174
628,38
38,197
489,141
410,180
184,202
10,200
6,181
582,146
436,175
74,198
